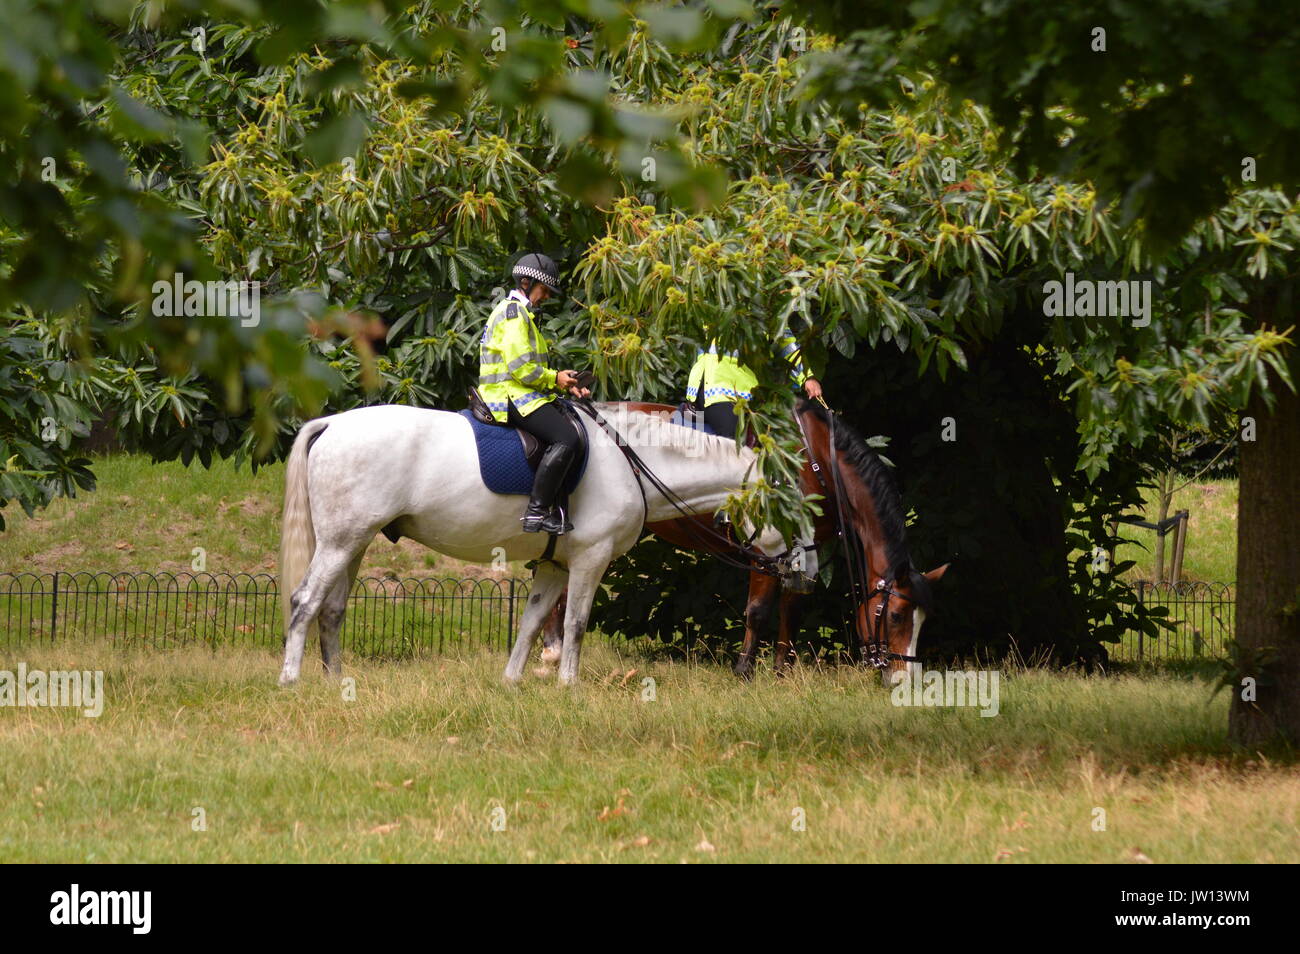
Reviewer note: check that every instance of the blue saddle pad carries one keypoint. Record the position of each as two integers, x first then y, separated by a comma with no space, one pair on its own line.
679,418
501,461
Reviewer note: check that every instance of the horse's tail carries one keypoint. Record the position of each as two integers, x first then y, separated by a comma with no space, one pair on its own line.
297,535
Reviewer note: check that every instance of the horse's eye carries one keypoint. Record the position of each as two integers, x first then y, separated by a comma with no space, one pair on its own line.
896,617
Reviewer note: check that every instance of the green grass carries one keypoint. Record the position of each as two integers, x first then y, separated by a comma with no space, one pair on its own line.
1211,549
413,769
149,517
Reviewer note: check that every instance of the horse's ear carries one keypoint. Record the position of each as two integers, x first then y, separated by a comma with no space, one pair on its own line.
935,575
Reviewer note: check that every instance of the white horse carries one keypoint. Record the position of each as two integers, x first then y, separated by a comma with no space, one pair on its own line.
352,474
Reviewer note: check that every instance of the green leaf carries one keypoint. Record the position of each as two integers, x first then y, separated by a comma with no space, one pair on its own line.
570,120
135,120
336,138
676,26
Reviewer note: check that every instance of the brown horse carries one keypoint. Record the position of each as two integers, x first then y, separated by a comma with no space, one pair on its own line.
897,597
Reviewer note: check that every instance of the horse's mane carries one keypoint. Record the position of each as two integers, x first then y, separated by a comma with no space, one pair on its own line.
709,443
880,483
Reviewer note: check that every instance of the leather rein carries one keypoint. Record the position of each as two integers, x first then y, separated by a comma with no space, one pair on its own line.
706,537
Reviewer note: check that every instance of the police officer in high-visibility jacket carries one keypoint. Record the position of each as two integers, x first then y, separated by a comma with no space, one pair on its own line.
519,388
716,382
725,380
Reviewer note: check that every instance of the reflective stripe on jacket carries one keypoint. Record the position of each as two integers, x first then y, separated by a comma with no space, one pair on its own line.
726,379
512,360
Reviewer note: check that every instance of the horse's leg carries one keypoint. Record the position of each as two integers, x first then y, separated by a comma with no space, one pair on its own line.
553,632
582,590
331,619
791,613
328,566
758,610
548,584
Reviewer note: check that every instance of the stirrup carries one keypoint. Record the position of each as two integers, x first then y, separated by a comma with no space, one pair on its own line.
556,521
534,519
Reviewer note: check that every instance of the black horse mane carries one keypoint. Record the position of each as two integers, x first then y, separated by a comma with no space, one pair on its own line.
879,479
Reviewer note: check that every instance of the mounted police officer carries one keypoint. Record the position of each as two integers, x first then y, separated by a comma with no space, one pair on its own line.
716,382
520,389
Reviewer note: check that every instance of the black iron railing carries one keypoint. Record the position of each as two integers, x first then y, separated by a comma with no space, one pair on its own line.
395,618
386,616
1203,614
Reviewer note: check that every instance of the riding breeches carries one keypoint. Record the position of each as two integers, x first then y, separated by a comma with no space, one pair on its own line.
547,423
722,418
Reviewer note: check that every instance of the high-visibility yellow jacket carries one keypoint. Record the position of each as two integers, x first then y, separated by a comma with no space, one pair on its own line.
512,360
726,379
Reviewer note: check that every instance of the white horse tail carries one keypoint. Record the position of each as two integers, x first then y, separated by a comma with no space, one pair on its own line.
297,535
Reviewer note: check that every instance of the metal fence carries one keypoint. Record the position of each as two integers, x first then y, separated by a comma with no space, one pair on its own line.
399,618
1203,614
388,617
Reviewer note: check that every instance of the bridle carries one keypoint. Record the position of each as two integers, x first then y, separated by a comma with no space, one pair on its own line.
878,654
876,651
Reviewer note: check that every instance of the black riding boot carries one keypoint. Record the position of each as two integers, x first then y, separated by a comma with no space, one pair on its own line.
542,514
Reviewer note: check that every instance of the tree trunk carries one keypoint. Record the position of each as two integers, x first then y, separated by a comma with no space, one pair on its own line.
1268,568
1164,494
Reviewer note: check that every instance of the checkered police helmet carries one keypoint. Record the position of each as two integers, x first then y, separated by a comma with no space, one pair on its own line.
539,268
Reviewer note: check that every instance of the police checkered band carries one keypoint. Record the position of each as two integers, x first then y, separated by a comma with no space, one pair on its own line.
527,271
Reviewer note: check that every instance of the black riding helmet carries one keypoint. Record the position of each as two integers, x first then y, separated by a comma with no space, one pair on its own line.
539,268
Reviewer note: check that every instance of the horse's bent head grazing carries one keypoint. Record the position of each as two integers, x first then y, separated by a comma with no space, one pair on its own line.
895,597
891,618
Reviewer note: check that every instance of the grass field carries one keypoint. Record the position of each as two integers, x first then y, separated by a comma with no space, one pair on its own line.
712,770
1211,552
147,516
431,751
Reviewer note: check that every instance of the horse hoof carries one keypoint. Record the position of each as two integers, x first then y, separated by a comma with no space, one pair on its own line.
544,672
745,672
286,680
